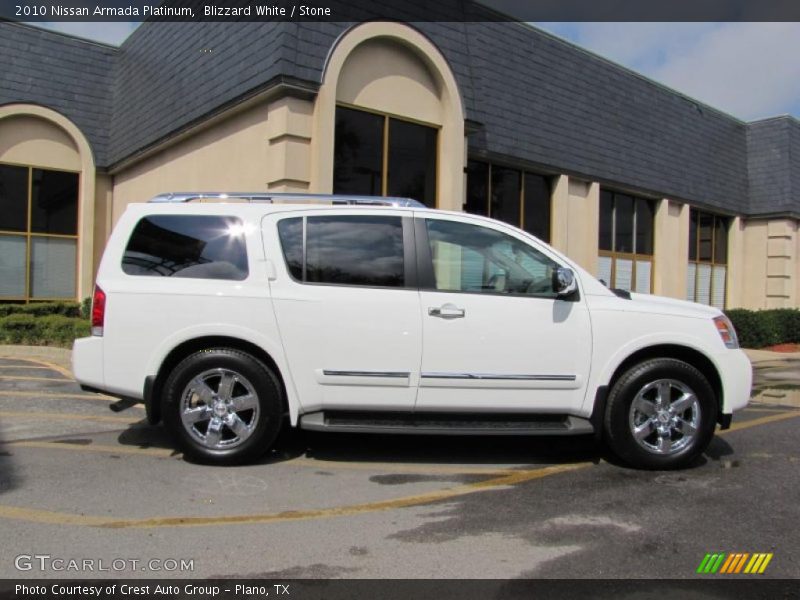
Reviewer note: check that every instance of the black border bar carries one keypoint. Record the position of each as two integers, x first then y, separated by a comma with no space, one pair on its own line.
400,10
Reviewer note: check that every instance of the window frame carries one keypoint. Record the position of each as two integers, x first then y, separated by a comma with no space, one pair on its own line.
386,141
425,268
634,256
523,173
28,235
715,217
410,263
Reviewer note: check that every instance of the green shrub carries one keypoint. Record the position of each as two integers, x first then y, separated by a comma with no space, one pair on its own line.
62,331
760,328
40,309
18,329
49,330
86,307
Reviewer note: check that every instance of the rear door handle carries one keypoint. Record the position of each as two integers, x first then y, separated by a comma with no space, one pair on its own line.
447,311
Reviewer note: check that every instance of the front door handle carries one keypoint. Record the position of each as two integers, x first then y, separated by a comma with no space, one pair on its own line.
447,311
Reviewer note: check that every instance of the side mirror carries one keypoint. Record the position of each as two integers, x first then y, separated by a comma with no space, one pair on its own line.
564,282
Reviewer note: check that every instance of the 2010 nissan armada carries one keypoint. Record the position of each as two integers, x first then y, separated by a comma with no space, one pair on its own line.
232,316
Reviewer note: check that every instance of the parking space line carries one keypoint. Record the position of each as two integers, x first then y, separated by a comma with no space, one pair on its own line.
63,417
26,378
766,408
56,396
296,462
23,367
58,368
761,421
99,448
58,518
396,467
506,479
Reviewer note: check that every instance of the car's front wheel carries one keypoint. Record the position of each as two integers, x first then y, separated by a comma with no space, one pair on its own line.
224,406
661,414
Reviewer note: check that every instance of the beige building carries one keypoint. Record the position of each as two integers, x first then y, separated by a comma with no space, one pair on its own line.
648,189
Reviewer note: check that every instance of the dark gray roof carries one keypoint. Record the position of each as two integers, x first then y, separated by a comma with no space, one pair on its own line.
67,74
172,74
537,101
773,150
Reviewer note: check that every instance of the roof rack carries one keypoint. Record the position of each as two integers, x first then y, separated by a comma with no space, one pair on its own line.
285,198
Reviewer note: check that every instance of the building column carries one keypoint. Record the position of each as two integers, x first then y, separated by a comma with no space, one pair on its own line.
670,249
289,127
781,242
575,224
738,278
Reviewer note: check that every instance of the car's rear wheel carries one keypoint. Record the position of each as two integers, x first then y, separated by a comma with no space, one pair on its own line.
661,414
224,406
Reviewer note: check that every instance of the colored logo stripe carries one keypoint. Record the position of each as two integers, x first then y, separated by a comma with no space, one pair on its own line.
734,563
711,563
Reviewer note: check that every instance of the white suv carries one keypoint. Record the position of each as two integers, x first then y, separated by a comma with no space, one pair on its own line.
237,314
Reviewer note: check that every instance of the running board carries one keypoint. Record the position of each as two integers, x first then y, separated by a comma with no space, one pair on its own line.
445,423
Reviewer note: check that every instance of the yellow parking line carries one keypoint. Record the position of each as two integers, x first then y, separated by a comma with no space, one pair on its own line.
761,421
56,395
395,467
23,367
57,518
297,462
62,417
21,378
58,368
512,478
158,452
771,408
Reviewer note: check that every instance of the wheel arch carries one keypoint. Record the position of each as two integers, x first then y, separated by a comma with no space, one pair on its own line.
154,385
691,356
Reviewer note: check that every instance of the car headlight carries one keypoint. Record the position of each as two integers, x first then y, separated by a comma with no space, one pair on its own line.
726,331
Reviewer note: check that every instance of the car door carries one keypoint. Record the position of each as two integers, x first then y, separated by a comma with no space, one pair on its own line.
347,304
496,338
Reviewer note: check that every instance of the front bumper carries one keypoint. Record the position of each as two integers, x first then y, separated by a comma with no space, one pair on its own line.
736,374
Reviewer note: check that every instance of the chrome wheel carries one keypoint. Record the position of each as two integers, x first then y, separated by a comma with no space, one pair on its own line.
664,417
219,408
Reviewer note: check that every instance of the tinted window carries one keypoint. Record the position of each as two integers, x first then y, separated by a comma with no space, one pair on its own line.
412,162
606,220
706,230
54,202
477,188
13,198
203,247
470,258
720,240
693,218
623,235
537,206
644,226
358,153
355,250
290,232
505,205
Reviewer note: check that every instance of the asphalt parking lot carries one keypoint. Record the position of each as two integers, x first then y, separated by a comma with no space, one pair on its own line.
80,482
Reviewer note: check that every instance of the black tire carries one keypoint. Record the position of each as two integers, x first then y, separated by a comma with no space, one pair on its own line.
655,434
223,406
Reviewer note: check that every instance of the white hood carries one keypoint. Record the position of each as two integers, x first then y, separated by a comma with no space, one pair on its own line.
664,305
